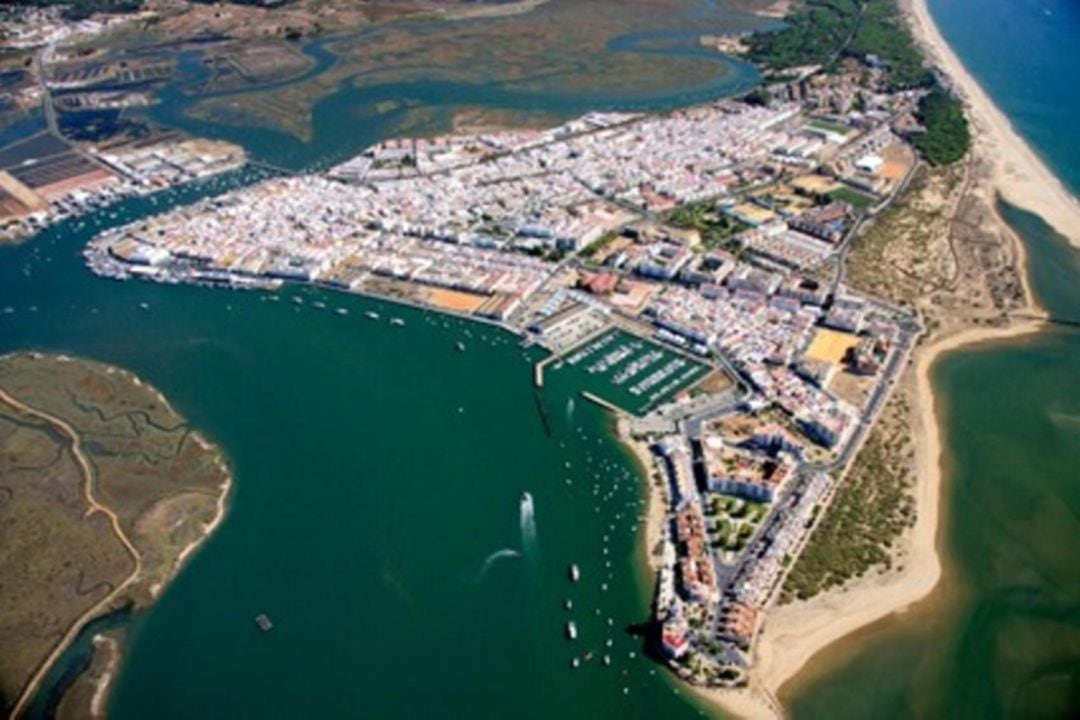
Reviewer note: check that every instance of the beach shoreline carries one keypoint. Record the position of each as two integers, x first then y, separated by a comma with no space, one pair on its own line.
1020,175
794,634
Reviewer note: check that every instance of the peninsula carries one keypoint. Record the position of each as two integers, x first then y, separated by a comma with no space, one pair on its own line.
690,266
756,287
105,492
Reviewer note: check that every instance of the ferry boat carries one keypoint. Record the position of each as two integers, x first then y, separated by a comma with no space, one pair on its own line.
571,630
263,623
575,573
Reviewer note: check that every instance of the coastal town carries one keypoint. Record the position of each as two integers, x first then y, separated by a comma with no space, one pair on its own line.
747,237
687,263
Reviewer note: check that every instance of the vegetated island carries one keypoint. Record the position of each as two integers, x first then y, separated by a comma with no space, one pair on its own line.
104,492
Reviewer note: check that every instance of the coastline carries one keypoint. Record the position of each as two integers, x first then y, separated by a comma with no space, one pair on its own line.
103,683
793,635
1020,175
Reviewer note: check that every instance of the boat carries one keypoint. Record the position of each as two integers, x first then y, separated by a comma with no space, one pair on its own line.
263,622
575,662
342,311
569,604
607,659
575,573
372,315
460,346
397,321
571,630
320,305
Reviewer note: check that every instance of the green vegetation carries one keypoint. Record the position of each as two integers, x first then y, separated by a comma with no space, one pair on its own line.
733,521
947,137
821,31
884,34
593,249
59,555
814,34
829,127
716,229
871,509
856,199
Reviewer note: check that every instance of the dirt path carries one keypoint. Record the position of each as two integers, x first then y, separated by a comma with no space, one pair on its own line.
88,490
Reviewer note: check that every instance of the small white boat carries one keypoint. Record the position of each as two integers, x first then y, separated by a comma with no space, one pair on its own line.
372,315
460,346
569,604
342,311
571,630
575,573
397,321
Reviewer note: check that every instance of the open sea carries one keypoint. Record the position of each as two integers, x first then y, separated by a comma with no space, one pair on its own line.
1000,638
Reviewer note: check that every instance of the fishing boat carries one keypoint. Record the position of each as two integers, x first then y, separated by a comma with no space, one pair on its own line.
575,573
571,630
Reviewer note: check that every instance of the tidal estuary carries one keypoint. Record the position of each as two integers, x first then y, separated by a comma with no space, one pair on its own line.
378,517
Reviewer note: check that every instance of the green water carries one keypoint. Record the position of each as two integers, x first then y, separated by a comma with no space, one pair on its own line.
616,363
1001,638
377,472
376,469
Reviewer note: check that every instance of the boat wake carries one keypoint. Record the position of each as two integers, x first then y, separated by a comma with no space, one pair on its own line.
505,553
528,526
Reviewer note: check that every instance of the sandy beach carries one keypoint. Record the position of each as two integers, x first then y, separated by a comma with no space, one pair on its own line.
793,634
1020,175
